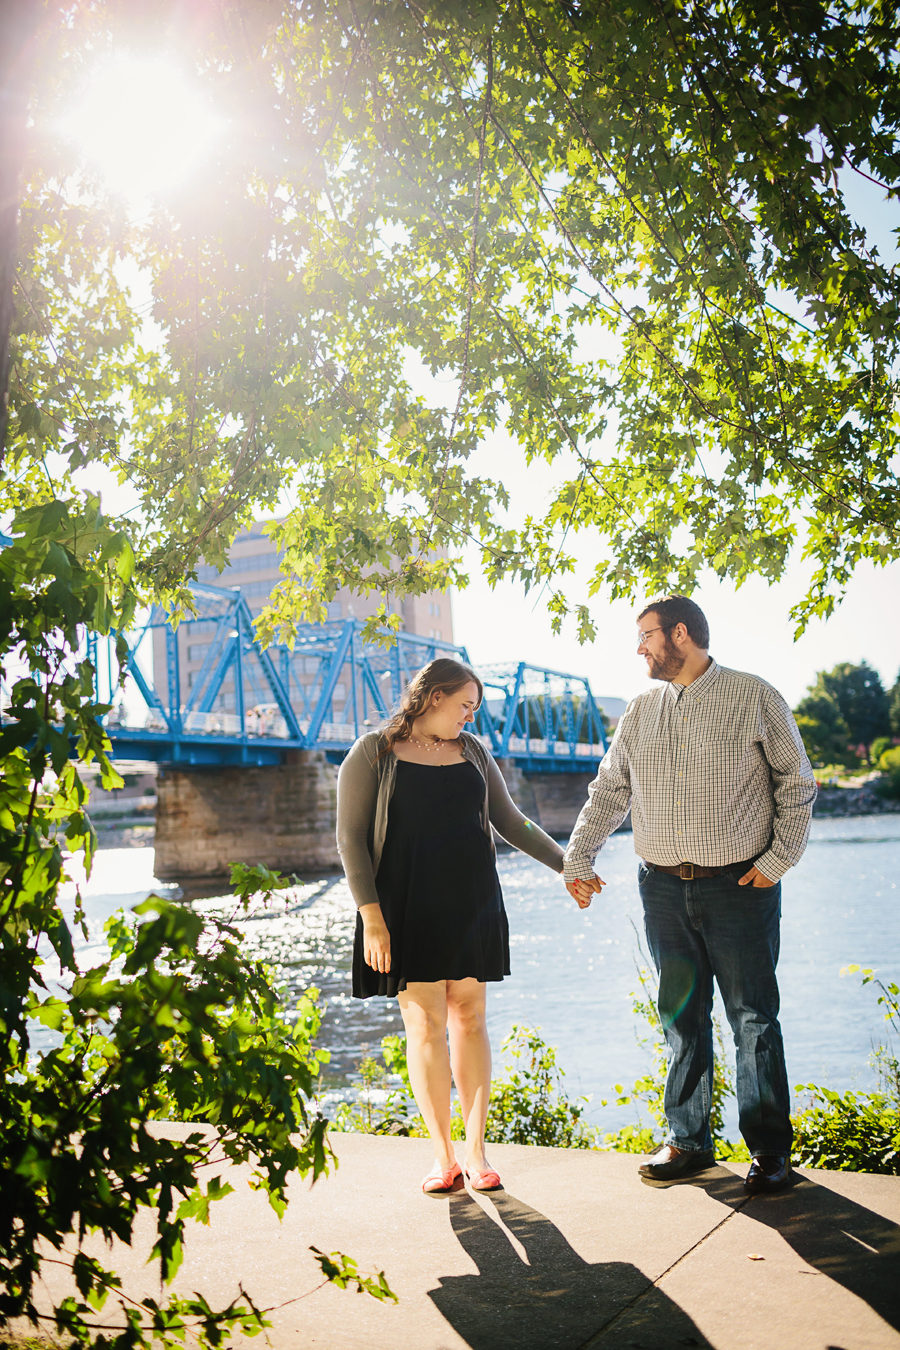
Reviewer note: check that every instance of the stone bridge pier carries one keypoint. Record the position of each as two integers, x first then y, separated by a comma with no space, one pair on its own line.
284,815
281,815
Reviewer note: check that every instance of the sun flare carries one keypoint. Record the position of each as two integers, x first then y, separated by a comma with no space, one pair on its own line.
143,124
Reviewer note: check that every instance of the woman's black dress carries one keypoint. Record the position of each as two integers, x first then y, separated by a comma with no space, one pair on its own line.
437,883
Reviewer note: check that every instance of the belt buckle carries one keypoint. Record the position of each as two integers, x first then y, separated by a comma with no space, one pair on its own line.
686,871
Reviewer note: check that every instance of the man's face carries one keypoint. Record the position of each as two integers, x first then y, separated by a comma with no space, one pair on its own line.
664,658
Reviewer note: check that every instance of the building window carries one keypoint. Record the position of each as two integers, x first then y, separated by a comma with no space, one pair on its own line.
340,692
255,562
255,588
434,609
334,609
197,652
434,633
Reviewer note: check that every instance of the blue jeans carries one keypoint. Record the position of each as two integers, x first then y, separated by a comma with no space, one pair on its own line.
714,928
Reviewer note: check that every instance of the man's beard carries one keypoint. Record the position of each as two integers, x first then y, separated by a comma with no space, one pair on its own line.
669,665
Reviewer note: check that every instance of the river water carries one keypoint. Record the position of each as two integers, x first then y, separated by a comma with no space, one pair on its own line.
573,971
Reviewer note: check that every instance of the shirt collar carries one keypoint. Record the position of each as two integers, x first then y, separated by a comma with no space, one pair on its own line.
699,686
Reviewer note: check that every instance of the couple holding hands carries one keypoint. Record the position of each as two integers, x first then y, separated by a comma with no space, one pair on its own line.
711,765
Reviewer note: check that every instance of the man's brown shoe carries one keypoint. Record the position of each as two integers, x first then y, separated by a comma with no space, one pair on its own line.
672,1163
768,1172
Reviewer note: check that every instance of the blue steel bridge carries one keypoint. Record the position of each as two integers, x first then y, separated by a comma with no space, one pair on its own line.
324,693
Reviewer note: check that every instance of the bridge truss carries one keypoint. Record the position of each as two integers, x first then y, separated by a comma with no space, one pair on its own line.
322,694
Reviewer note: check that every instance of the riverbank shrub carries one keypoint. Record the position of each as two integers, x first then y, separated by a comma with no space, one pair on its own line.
857,1131
528,1101
848,1132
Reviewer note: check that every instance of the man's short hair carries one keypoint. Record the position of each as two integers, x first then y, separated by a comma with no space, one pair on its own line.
675,609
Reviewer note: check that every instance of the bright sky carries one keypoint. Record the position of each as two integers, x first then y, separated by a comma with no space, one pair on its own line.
144,144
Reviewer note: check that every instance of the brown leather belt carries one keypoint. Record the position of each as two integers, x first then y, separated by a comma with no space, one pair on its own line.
687,871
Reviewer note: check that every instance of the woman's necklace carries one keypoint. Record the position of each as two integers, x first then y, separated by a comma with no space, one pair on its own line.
438,742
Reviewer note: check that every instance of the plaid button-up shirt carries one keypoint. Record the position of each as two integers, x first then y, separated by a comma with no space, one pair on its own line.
714,773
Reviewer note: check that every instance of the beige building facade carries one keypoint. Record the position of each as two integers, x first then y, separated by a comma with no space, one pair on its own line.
254,567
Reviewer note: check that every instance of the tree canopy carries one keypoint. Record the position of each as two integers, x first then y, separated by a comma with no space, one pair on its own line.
622,231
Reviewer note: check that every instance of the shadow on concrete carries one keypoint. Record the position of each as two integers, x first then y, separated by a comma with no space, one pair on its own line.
837,1237
717,1181
840,1238
553,1300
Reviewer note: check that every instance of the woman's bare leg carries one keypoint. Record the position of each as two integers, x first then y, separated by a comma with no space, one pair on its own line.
424,1010
470,1054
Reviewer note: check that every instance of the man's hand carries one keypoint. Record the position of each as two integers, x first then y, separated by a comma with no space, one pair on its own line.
756,878
582,892
376,939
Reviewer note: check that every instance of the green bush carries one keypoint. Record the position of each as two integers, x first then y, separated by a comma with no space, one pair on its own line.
889,783
878,748
856,1131
384,1103
528,1103
849,1132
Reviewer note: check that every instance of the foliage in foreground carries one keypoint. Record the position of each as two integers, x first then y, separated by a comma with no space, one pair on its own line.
528,1103
173,1023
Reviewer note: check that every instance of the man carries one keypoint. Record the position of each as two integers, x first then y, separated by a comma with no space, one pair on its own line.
720,789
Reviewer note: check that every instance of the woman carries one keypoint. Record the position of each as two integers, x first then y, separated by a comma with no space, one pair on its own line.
416,802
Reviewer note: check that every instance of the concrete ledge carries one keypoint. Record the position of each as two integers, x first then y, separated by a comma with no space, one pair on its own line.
576,1252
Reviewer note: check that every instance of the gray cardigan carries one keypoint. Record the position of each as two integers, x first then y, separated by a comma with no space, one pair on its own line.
365,786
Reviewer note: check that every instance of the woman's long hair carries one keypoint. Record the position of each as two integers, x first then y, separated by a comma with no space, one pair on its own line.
443,675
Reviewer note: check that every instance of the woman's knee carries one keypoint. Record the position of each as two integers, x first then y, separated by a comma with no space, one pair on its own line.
468,1018
424,1025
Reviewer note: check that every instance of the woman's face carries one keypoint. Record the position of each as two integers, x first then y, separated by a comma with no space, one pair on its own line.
449,713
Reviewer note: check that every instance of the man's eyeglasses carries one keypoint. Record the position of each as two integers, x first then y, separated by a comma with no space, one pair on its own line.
663,628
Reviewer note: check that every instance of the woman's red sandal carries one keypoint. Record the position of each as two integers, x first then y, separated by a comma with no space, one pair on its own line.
440,1183
484,1181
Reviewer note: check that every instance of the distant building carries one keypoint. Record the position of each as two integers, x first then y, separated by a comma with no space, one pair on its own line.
254,567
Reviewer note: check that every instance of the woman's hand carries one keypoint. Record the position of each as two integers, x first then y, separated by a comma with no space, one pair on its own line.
376,939
582,892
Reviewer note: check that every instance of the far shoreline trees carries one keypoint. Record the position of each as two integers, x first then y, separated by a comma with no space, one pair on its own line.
847,714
